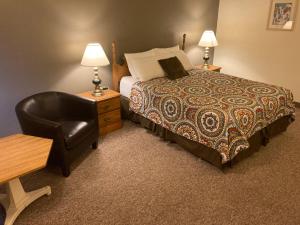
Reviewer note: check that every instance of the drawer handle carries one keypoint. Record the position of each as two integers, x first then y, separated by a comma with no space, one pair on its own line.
107,119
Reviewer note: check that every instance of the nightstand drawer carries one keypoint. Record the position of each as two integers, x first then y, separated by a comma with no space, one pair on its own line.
110,128
108,118
108,108
108,105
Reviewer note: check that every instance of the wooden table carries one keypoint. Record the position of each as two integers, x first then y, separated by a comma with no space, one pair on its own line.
19,155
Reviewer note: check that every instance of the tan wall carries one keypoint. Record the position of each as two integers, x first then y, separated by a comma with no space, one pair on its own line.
249,50
42,41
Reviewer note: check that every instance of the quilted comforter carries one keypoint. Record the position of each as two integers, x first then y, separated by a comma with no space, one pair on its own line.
217,110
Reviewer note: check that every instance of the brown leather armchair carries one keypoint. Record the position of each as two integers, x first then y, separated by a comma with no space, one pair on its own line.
2,214
69,120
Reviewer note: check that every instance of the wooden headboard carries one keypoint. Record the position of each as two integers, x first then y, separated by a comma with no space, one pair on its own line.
121,70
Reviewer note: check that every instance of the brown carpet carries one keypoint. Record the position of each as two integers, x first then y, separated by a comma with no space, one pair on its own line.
135,178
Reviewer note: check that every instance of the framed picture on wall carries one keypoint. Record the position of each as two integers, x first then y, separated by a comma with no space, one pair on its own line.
282,14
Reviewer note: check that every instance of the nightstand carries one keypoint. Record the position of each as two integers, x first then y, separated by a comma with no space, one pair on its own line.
108,107
211,68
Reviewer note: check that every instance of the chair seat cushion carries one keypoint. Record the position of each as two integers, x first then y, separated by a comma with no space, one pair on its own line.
76,131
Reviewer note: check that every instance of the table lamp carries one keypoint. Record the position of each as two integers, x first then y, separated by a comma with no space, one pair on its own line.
94,56
207,40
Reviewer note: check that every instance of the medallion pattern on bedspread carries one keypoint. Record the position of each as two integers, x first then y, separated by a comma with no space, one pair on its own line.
217,110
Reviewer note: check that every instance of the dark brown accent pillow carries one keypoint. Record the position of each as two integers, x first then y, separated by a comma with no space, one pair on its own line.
173,68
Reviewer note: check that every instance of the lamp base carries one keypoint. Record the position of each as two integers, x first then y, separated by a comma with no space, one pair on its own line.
206,59
97,94
97,81
205,65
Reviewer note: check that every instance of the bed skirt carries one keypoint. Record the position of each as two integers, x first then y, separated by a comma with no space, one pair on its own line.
210,155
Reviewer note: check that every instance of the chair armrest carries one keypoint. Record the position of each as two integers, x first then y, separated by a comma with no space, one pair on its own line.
36,126
79,108
40,127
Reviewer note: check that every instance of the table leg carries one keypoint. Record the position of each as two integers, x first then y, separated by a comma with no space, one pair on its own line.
17,199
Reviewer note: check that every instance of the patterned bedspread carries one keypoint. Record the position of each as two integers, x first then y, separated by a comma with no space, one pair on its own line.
217,110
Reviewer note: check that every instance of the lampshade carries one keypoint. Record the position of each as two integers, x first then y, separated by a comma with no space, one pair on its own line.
94,55
208,39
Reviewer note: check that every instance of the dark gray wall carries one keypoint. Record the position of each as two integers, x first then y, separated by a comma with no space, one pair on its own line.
42,41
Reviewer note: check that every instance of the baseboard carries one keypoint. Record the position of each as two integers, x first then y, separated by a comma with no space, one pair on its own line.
297,104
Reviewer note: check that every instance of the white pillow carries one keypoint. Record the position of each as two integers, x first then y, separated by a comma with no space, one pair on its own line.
183,58
131,57
147,68
144,66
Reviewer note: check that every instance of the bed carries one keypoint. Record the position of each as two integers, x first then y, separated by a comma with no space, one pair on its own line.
217,117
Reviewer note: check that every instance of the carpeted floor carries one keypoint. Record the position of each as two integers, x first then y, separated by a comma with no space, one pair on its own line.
135,179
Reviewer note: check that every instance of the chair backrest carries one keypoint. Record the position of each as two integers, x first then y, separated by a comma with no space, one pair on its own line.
45,105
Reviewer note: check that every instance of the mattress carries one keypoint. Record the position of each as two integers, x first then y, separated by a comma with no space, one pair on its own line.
126,84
